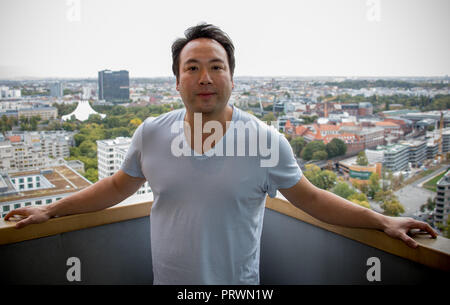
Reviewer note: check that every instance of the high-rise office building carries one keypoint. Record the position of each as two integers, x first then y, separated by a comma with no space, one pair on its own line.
114,86
56,89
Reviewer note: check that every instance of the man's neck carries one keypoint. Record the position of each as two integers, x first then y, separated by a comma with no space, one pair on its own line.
222,116
193,120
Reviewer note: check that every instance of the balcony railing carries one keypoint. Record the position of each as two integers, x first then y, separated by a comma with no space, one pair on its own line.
113,247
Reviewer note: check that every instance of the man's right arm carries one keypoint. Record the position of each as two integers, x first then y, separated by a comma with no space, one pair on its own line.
101,195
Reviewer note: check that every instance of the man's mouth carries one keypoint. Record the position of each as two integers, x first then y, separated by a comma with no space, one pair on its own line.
206,94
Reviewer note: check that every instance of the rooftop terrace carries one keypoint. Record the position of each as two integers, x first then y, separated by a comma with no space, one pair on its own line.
61,180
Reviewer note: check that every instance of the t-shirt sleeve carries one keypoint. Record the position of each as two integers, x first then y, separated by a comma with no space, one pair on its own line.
286,172
132,163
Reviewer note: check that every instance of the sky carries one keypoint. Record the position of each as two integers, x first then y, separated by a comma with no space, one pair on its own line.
78,38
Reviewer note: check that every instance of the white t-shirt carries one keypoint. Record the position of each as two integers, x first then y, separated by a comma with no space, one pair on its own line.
207,215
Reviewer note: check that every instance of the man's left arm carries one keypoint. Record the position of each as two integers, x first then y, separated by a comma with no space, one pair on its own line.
332,209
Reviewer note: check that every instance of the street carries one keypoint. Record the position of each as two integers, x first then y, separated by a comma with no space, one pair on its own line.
413,195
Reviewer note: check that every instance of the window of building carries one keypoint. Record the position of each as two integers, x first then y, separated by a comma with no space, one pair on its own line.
21,187
20,180
48,201
16,205
38,202
30,179
30,185
27,204
6,208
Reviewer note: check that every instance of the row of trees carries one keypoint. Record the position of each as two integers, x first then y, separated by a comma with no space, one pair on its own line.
120,121
317,150
7,123
423,103
359,84
356,193
25,123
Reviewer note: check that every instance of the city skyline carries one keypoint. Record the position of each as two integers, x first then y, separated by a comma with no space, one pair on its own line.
374,38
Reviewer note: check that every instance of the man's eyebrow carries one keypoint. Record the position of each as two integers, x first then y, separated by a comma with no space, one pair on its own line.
195,61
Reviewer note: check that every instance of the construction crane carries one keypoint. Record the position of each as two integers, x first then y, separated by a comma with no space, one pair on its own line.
325,105
260,103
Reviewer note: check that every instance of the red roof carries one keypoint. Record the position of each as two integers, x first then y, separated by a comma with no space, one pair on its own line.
386,124
300,130
14,138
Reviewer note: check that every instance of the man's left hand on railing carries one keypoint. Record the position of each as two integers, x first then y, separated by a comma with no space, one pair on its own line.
401,227
335,210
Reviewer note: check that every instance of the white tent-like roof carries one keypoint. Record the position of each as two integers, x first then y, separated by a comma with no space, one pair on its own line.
82,112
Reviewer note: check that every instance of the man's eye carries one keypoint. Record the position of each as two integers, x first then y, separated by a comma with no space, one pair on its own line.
217,68
192,68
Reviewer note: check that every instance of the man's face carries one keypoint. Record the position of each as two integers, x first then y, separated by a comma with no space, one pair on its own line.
204,80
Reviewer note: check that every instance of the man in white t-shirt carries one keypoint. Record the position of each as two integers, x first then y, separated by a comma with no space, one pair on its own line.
210,166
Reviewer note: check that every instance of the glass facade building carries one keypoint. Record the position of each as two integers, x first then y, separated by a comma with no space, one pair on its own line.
114,86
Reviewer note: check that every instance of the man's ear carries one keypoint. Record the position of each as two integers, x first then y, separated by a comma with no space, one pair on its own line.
232,84
178,83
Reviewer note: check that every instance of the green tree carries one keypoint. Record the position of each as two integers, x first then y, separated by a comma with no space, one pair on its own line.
268,118
358,196
336,147
311,148
374,184
343,190
392,208
323,179
119,110
387,195
429,205
445,228
320,155
91,174
298,143
88,148
95,118
361,203
361,159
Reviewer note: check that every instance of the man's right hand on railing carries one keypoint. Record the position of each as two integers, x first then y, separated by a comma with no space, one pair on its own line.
32,215
101,195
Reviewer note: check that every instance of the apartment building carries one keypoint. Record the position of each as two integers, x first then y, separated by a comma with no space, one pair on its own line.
417,151
46,113
395,156
110,154
432,149
32,150
442,200
38,187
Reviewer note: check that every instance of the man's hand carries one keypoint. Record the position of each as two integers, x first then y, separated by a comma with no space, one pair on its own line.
333,209
31,214
401,227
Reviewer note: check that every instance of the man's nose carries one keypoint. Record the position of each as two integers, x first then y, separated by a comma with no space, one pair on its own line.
205,79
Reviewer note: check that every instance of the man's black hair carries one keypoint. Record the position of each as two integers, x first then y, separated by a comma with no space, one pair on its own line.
202,30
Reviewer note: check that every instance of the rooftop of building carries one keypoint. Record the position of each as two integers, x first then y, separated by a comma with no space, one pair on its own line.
413,142
116,141
445,180
387,124
391,148
61,178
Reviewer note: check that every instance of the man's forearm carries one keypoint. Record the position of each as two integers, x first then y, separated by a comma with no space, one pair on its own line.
98,196
333,209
